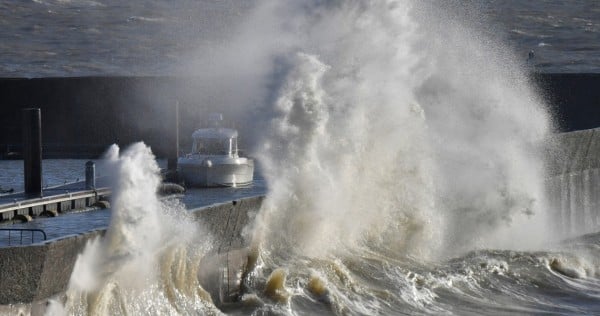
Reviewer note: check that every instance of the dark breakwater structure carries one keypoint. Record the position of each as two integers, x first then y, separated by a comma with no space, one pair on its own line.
83,116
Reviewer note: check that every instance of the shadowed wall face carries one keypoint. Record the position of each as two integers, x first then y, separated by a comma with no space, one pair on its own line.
83,116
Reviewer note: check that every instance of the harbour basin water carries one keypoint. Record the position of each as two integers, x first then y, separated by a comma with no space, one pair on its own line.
59,171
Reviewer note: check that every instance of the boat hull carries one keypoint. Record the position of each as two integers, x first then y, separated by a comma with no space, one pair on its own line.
233,173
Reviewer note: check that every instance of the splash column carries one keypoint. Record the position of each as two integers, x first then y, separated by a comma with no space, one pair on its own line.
32,151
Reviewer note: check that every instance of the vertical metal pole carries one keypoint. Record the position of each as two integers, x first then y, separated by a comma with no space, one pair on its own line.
174,146
90,175
32,151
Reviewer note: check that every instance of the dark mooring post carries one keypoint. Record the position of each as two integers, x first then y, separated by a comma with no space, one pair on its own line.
90,175
32,151
173,147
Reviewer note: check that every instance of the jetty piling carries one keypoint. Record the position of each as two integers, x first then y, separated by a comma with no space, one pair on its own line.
90,175
32,151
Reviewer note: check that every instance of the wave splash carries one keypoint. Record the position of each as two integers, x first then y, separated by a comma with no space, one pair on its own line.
148,260
397,139
394,124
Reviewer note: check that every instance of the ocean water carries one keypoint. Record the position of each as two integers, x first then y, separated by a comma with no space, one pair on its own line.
42,38
401,143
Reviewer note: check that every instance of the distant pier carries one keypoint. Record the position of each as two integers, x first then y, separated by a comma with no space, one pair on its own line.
18,207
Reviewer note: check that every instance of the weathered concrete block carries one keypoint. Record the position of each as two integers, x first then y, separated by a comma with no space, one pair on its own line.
37,210
37,272
90,201
20,270
22,211
226,221
5,216
51,207
59,261
79,203
64,206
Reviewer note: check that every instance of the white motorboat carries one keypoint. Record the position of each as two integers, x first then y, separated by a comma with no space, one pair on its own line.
214,159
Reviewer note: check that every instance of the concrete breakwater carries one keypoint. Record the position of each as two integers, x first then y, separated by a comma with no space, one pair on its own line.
573,186
82,116
32,274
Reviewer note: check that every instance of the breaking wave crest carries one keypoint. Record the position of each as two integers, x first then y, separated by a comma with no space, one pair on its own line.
402,128
148,260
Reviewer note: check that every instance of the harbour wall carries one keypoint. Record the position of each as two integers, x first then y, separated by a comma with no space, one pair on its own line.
82,116
35,273
32,274
573,184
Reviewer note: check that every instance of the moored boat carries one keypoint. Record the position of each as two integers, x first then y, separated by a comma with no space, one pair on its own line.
214,159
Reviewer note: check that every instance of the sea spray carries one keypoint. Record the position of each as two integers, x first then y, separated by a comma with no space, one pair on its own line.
148,260
387,128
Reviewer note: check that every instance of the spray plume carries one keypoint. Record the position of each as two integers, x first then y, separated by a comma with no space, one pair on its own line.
147,262
390,122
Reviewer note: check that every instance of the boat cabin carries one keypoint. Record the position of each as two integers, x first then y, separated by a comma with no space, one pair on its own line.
215,142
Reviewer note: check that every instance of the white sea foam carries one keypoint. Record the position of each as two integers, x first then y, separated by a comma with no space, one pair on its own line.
397,124
147,261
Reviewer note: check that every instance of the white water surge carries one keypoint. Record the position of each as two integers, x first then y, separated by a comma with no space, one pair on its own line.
148,260
393,123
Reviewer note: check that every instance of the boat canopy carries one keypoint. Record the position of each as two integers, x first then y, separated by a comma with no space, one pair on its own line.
215,141
215,133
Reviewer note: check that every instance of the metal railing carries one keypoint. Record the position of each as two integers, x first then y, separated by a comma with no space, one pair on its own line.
20,232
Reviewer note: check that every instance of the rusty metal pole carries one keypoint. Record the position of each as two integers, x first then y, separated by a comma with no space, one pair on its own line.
32,151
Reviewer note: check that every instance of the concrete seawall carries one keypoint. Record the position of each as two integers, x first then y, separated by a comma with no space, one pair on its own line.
35,273
82,116
573,185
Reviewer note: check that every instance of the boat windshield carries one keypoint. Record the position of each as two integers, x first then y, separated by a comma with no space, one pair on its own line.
215,146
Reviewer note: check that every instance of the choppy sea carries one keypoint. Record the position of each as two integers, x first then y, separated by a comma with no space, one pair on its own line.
50,38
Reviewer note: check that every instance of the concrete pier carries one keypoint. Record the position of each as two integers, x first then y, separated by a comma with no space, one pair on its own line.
58,203
55,200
